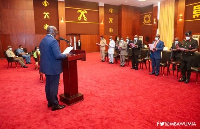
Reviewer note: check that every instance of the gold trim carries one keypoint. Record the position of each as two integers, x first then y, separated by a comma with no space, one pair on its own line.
147,24
192,4
145,13
81,22
193,20
81,8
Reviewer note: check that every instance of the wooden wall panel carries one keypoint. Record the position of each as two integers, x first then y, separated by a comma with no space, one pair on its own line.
129,21
179,24
101,20
4,42
89,43
147,28
155,25
62,25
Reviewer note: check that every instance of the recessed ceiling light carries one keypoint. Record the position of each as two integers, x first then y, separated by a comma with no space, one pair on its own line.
141,0
125,1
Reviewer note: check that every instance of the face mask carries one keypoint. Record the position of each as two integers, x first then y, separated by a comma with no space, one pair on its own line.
187,38
126,39
156,38
22,48
110,39
117,38
176,42
135,38
10,49
121,40
38,49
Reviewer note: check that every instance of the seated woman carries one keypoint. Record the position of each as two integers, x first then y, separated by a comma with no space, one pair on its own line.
36,55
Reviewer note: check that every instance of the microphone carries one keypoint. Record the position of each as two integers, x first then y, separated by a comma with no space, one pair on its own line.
64,39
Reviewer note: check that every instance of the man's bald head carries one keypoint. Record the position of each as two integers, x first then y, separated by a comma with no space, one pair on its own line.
52,30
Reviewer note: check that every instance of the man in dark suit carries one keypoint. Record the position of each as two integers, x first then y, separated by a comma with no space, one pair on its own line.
51,65
175,53
136,46
156,55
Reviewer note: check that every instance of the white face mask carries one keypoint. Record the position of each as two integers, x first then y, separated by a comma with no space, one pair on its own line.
38,49
117,38
121,40
110,39
187,38
135,38
156,38
176,42
22,48
10,49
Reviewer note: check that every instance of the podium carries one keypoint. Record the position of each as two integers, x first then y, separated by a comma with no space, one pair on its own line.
70,78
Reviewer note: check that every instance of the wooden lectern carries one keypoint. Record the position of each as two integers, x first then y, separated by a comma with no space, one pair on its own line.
70,78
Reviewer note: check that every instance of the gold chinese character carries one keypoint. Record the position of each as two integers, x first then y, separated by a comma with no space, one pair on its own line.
111,10
147,19
46,15
196,11
110,30
45,26
45,3
82,15
110,20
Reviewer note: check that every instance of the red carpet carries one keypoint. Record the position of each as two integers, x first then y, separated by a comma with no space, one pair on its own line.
114,97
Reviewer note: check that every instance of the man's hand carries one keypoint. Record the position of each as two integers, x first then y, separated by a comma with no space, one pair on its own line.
154,49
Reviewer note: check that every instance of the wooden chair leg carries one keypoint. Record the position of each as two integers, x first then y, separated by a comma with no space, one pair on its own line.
149,65
197,77
163,71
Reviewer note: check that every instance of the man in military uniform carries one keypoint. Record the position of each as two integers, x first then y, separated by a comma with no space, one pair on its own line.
175,53
102,48
188,47
136,46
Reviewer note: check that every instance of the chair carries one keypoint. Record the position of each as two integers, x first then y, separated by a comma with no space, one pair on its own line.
175,60
165,61
196,64
106,56
143,58
10,60
116,57
41,74
128,57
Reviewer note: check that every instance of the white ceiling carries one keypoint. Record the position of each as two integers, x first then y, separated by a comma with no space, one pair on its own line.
127,2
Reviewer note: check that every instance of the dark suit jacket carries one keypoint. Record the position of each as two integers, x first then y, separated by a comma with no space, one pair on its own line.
176,54
136,51
157,54
51,56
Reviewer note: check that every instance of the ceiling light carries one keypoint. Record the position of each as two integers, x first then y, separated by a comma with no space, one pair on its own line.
141,0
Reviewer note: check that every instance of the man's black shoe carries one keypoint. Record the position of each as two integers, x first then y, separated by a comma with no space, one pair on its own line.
25,66
156,74
187,81
151,73
136,68
49,105
57,107
181,80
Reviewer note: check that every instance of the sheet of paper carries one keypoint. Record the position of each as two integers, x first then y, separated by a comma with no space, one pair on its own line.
182,49
67,50
151,46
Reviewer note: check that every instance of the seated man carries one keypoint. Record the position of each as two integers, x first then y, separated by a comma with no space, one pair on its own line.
9,53
26,56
